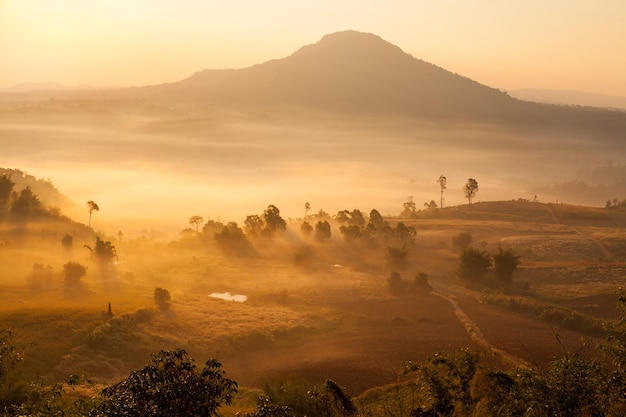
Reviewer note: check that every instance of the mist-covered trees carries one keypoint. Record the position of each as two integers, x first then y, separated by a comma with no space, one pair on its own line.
170,386
474,264
322,230
27,204
470,189
6,188
103,251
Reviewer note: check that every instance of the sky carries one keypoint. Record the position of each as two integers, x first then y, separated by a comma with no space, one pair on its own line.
559,44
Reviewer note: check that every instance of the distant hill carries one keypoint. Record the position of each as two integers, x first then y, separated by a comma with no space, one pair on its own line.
361,73
47,86
569,98
49,195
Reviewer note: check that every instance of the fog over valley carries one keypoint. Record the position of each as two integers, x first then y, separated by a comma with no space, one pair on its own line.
347,230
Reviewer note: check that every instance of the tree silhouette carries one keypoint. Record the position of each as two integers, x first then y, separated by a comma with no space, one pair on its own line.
442,183
473,265
162,298
307,208
197,220
470,189
505,263
408,207
170,386
273,222
322,230
6,187
27,204
91,207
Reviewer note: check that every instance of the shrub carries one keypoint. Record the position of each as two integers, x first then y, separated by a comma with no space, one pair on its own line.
162,299
473,265
73,272
505,263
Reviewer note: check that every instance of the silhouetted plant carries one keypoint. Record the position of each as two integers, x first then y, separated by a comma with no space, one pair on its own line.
170,386
104,251
420,284
67,242
27,204
162,298
470,189
91,207
73,272
197,221
273,222
396,284
306,229
322,230
505,263
473,265
6,188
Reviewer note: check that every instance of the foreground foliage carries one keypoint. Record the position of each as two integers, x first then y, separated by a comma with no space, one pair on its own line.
170,386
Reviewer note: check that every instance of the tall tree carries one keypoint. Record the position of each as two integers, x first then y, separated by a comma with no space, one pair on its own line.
470,189
91,207
307,208
27,203
197,220
442,183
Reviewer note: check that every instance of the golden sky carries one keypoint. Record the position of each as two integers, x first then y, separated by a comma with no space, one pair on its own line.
561,44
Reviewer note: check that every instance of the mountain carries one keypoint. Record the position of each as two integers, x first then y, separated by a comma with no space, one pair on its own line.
346,71
569,97
361,73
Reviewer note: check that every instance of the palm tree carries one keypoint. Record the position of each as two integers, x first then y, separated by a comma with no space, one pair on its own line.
91,206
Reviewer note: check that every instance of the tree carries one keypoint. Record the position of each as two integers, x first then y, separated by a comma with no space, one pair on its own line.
273,222
6,187
170,386
430,206
442,184
91,207
408,208
253,225
197,220
376,219
322,230
306,228
473,265
67,242
27,204
505,263
104,251
470,189
396,284
73,272
162,299
307,208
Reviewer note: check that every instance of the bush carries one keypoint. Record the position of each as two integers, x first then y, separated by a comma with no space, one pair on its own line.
473,265
73,272
505,263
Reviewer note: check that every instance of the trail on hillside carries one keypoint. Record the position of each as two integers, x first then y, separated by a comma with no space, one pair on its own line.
477,336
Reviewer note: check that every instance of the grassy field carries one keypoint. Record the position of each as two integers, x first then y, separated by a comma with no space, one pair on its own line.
314,310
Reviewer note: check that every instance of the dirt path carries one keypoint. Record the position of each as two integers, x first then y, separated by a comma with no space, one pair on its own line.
476,335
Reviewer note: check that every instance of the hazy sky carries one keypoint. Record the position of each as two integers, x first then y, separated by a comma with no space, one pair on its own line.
563,44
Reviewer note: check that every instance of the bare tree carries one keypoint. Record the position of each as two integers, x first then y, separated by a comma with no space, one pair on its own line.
442,183
91,207
470,188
